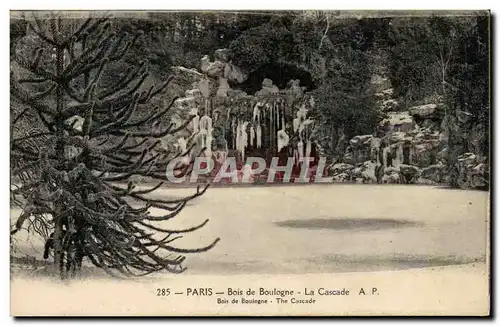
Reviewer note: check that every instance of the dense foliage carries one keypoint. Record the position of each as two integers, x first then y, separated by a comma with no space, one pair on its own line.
427,59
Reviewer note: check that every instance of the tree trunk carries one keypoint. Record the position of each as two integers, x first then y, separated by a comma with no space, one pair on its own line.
58,219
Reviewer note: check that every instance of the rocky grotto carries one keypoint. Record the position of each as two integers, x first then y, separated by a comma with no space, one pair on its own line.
409,145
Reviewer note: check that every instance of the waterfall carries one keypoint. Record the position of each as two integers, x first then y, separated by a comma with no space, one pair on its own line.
234,134
196,119
395,161
308,148
302,113
311,101
271,131
241,138
277,109
283,139
412,153
266,116
398,158
384,156
182,148
238,136
283,126
258,133
257,129
296,124
244,139
300,149
296,156
256,112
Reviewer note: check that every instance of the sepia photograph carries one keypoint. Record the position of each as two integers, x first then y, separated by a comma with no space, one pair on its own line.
250,163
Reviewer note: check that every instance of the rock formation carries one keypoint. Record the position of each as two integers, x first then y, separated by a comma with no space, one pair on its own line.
407,152
229,122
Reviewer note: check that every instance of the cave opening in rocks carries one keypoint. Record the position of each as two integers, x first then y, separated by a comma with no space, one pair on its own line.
279,73
348,223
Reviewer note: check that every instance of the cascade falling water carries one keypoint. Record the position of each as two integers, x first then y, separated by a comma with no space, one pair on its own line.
252,136
258,134
243,139
265,125
206,134
271,122
283,139
300,151
385,152
283,126
256,112
277,107
296,156
296,123
282,136
398,160
395,160
238,136
256,122
234,134
401,153
296,126
307,150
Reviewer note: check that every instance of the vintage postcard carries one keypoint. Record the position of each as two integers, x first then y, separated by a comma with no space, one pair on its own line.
250,163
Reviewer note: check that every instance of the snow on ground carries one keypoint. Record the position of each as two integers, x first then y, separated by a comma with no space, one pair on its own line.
327,228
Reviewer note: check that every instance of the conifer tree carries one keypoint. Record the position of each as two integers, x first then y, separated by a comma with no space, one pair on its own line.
77,141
